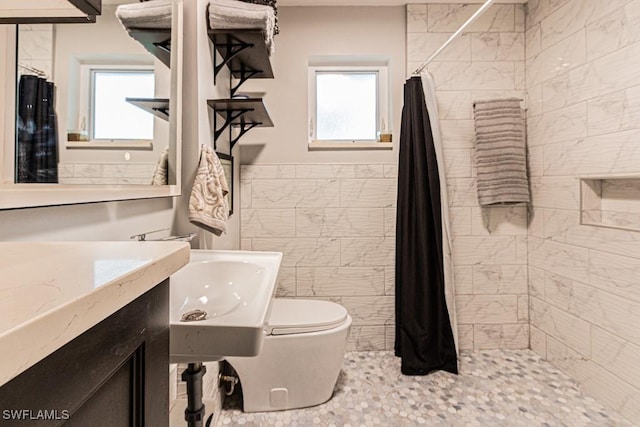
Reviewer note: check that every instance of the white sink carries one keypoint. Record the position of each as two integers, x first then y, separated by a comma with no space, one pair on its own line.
235,289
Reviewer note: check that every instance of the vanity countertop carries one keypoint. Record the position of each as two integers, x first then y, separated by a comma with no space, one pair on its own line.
51,292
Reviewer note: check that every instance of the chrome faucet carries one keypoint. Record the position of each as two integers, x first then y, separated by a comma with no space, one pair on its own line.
183,238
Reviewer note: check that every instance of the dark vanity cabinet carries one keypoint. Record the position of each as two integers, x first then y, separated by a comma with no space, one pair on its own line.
114,374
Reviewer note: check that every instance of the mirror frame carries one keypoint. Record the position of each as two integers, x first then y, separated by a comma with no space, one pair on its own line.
16,196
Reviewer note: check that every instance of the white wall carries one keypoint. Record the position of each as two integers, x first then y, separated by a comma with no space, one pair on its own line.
106,42
119,220
310,31
583,82
100,221
198,124
330,212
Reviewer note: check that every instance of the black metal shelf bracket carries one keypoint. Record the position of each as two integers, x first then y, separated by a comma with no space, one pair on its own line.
230,116
232,47
245,74
242,129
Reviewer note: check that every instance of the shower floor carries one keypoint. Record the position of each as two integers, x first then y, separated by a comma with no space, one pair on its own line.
494,388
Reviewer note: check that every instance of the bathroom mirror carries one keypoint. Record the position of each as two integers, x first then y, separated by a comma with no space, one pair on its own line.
93,111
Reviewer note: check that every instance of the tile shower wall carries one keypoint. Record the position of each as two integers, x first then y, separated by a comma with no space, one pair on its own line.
36,48
583,82
489,245
335,225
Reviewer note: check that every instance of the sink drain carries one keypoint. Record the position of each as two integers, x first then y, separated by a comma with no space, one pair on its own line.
193,316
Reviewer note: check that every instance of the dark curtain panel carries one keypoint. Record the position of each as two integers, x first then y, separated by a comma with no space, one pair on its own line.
424,339
37,136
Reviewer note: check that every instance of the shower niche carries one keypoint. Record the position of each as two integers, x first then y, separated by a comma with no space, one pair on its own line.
612,202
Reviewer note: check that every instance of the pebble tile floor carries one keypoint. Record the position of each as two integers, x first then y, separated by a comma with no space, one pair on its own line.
494,388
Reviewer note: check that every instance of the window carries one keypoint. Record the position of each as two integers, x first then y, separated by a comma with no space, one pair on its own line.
98,115
111,116
347,103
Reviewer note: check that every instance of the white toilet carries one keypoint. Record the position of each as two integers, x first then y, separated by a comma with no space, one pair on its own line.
301,357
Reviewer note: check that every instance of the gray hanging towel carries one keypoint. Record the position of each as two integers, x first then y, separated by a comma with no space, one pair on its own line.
500,156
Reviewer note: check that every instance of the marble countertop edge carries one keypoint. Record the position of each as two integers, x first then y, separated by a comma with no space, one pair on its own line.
24,345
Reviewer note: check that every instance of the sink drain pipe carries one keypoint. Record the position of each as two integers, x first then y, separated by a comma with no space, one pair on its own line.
194,414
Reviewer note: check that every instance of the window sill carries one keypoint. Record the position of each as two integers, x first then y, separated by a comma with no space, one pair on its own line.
321,145
124,145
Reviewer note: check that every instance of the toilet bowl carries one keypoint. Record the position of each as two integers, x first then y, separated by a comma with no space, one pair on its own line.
301,356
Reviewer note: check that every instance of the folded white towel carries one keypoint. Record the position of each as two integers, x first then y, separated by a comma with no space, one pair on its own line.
161,174
234,14
208,206
148,14
500,155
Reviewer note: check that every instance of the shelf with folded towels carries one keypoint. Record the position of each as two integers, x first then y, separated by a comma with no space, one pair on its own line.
159,107
244,52
243,114
157,41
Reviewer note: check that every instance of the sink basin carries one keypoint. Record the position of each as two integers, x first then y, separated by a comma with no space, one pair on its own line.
235,289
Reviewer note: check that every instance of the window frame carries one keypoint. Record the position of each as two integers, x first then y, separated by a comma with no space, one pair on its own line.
382,100
86,105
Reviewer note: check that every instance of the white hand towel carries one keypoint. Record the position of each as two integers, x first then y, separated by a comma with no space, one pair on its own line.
160,175
208,207
234,14
149,14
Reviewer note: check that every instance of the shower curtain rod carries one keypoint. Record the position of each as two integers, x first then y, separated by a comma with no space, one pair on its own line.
31,69
455,35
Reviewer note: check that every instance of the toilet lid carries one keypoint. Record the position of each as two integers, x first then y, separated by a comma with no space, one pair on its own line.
296,316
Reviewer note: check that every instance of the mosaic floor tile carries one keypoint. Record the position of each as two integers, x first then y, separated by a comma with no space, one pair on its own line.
494,388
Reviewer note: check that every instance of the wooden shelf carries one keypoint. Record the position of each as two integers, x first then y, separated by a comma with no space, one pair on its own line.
156,41
244,52
244,114
159,107
252,110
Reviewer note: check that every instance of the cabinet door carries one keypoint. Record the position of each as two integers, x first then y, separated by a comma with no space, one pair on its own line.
114,403
115,374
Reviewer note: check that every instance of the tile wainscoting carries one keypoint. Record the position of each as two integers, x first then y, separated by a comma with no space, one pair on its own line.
106,173
335,225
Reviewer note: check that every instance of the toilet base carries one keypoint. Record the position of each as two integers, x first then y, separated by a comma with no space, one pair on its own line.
292,371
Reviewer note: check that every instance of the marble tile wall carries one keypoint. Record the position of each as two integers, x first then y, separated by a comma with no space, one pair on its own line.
106,173
490,245
35,48
583,81
335,224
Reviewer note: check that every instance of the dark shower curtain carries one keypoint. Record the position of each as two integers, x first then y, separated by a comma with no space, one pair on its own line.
424,338
37,135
